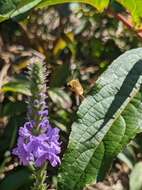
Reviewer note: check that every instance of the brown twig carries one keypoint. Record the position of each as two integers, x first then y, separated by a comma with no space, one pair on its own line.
127,21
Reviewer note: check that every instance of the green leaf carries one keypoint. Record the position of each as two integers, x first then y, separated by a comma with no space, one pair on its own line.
8,138
2,18
16,180
106,121
125,159
136,177
8,5
60,98
98,4
14,108
135,8
12,8
19,85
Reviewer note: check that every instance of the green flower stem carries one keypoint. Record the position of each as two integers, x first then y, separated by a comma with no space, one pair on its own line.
40,177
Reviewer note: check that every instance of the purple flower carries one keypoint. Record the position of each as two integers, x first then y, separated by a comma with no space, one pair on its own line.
44,124
38,147
26,130
43,113
22,152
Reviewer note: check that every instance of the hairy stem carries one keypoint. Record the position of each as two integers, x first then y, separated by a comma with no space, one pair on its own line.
40,177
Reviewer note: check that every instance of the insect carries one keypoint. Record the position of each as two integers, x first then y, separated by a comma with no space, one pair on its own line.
76,87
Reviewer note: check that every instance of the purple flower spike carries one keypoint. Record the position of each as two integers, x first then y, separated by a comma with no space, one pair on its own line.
38,142
40,148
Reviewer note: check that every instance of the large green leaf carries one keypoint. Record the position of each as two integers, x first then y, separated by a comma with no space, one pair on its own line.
106,121
134,7
12,8
99,4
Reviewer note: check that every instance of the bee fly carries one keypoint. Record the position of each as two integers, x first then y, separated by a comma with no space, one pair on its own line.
76,87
